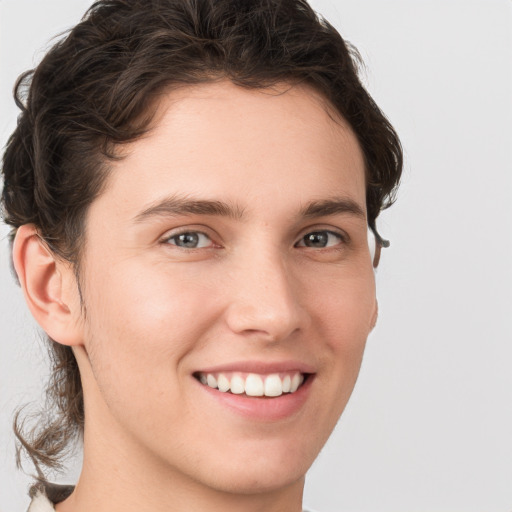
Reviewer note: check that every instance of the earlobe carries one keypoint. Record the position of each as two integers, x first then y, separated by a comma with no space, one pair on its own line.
375,316
376,256
45,281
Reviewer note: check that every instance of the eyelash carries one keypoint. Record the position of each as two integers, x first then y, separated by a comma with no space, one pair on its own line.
342,238
175,236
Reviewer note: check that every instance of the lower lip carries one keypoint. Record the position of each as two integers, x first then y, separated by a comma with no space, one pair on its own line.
263,408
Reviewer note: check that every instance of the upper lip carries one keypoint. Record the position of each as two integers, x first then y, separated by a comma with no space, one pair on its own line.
260,367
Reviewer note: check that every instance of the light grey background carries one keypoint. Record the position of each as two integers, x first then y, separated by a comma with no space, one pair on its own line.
429,427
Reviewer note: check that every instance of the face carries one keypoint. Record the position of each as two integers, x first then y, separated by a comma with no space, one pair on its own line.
228,250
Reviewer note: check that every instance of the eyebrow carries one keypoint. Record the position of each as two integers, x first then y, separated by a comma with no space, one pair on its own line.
333,206
176,206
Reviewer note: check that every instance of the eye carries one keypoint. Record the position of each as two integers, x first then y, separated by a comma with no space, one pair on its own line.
320,239
190,240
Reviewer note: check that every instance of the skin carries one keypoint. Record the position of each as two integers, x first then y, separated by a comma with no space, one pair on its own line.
155,313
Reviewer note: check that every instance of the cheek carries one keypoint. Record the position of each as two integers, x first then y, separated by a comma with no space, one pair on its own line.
132,299
344,317
139,331
346,309
140,325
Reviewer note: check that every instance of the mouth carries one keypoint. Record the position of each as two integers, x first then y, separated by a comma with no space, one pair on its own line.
256,385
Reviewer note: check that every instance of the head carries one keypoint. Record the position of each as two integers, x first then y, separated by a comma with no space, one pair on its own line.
117,92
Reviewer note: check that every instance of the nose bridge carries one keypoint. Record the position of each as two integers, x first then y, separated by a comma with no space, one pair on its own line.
265,296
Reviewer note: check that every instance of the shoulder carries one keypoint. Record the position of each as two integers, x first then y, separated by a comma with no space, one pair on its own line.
40,503
44,495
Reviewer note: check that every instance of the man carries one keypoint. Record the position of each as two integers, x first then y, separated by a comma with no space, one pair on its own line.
190,188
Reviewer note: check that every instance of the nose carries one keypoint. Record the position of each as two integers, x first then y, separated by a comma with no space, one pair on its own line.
264,299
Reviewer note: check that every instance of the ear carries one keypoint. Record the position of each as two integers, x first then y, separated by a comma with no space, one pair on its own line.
376,255
375,315
49,286
375,248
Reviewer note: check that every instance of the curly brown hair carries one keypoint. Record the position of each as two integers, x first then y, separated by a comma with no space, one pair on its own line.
95,89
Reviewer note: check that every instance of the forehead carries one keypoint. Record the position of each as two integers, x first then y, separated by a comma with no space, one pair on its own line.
221,141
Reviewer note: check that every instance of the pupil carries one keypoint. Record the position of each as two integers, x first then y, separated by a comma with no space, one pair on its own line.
316,240
188,239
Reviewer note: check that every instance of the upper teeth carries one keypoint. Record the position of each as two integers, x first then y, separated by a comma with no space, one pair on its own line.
253,384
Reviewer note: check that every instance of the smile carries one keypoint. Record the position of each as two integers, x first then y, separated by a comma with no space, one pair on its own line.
253,384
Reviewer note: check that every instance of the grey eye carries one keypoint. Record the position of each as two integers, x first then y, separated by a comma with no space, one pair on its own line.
320,239
190,240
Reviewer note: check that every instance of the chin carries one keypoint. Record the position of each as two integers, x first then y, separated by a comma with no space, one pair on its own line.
259,481
266,470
